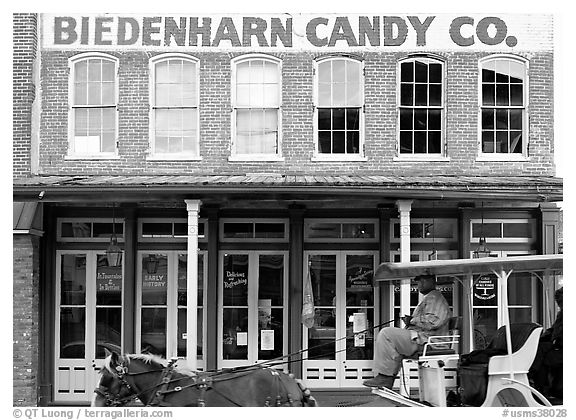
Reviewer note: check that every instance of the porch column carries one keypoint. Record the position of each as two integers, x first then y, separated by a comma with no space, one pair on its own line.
404,207
193,207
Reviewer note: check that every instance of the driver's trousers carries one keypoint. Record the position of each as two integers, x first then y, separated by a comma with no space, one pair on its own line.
392,345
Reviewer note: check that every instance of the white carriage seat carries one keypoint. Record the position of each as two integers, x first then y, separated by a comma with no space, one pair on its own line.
441,350
508,383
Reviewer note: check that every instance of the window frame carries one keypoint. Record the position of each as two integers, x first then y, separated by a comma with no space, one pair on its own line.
166,238
91,220
152,155
442,155
309,221
253,222
72,61
339,157
265,157
531,224
509,156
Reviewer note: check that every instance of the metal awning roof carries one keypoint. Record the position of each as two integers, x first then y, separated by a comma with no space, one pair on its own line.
520,188
527,263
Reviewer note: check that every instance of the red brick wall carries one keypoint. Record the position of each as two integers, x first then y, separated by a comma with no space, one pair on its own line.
26,319
24,52
297,113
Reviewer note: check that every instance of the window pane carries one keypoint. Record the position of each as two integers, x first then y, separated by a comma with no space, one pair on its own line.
153,331
338,71
517,95
435,72
338,142
324,119
269,230
487,119
235,321
238,230
325,142
407,72
108,284
502,142
487,142
235,281
488,75
406,142
434,142
406,94
489,230
419,142
73,280
435,98
502,119
434,119
72,333
421,71
517,230
421,95
324,94
515,119
80,94
154,279
94,70
352,142
406,119
420,119
108,331
352,119
516,141
488,94
338,121
323,230
339,92
502,95
354,230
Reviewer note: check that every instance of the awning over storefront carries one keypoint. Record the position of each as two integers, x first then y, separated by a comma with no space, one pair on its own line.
27,217
519,188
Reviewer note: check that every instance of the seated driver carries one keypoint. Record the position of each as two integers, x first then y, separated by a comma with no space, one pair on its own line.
394,344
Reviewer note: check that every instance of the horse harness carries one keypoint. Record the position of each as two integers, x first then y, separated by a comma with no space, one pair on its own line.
202,382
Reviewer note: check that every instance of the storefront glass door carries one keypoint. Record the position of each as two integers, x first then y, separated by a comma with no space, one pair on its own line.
252,301
88,322
162,303
340,344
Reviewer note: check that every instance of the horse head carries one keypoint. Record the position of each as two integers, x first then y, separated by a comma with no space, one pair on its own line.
125,378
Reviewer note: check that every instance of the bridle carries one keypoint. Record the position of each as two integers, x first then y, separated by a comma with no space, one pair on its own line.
121,372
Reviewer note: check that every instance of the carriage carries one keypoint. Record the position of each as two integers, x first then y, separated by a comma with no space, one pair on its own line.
157,383
505,375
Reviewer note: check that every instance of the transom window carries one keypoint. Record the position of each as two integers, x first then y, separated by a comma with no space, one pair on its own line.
93,230
256,105
427,230
421,106
168,230
351,230
175,107
503,108
339,105
497,230
94,106
262,230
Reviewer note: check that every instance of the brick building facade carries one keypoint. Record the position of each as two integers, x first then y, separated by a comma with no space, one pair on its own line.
313,206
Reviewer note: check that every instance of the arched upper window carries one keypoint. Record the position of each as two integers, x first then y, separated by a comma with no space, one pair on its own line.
421,106
93,112
339,106
174,100
503,119
256,101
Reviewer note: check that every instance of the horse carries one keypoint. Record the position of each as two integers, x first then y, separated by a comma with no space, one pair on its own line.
157,382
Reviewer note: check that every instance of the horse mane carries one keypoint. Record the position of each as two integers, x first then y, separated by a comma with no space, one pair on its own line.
149,359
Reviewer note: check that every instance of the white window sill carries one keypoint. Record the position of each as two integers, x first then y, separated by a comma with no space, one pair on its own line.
160,157
421,158
255,158
338,158
100,156
502,157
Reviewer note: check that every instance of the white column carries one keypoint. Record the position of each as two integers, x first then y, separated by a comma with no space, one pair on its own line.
404,207
193,207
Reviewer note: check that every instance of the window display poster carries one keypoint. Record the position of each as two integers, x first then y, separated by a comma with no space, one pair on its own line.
241,338
266,339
